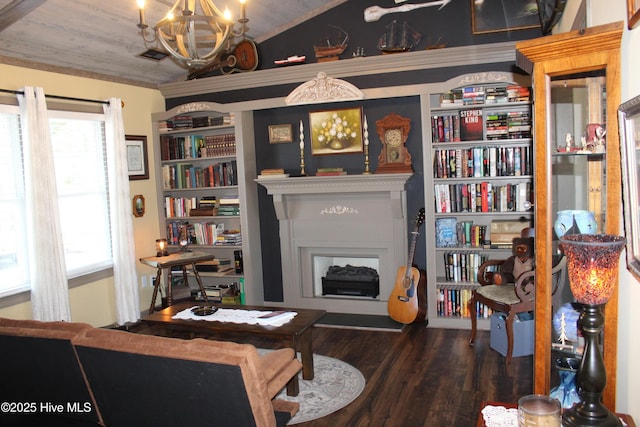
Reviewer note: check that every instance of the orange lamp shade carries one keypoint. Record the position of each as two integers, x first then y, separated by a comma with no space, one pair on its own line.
592,263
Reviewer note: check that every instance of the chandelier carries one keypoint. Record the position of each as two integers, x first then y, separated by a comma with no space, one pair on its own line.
194,32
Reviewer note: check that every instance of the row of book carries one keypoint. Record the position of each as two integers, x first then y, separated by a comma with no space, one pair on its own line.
176,207
229,238
197,233
509,125
468,125
477,95
462,266
224,294
197,146
455,303
186,121
482,197
481,162
451,233
179,206
186,175
229,205
207,233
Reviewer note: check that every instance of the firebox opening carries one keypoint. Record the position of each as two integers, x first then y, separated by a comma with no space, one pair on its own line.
336,276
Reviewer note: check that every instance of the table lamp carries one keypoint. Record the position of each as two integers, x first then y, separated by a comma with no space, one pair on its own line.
592,262
161,247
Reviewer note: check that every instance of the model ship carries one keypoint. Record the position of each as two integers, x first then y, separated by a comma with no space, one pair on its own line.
398,38
291,60
331,50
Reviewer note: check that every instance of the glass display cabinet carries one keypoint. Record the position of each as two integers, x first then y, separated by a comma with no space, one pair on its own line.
576,87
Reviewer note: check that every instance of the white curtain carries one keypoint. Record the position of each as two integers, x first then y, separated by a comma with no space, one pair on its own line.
124,256
49,289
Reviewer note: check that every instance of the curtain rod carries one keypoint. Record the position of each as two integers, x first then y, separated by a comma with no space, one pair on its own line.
66,98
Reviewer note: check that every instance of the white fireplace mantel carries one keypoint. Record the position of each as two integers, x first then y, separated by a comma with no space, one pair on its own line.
393,184
344,216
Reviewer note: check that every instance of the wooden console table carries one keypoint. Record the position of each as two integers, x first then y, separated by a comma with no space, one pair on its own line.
178,259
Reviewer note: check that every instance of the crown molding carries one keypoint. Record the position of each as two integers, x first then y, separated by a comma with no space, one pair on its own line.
363,66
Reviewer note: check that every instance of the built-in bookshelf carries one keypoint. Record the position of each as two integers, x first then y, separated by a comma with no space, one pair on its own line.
205,189
478,171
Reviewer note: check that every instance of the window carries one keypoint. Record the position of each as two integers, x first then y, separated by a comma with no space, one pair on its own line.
79,153
80,160
13,250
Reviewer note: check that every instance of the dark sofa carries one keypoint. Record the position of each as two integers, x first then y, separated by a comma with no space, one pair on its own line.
71,374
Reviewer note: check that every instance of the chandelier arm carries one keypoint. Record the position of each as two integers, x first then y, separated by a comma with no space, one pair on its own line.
172,50
190,36
152,40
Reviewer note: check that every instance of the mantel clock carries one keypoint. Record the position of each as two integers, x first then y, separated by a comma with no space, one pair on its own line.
393,131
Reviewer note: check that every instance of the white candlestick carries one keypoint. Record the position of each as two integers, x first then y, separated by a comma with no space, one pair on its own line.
301,136
366,131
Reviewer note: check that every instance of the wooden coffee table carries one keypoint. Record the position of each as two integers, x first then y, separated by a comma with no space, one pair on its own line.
295,333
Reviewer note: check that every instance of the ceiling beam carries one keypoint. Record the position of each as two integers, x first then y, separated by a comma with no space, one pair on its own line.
16,10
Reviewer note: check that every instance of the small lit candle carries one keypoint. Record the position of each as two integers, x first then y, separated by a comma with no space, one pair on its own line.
301,136
161,247
142,24
366,131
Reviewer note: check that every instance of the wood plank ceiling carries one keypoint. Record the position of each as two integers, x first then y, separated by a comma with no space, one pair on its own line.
99,39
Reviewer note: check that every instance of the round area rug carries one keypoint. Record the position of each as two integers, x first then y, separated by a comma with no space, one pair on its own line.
334,386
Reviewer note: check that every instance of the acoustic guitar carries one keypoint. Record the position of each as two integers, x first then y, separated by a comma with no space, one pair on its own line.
408,300
241,58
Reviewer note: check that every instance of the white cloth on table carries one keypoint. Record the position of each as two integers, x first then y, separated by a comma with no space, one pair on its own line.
499,416
233,315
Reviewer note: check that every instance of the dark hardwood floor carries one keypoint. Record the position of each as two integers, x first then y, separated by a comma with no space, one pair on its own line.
420,377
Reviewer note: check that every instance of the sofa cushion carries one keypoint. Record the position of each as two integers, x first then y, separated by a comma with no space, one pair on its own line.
35,360
37,324
135,376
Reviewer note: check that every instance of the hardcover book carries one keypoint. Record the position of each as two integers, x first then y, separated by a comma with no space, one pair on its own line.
446,233
471,126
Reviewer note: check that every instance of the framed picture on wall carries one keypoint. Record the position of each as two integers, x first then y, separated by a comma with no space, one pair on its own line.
492,16
629,122
279,134
137,157
336,131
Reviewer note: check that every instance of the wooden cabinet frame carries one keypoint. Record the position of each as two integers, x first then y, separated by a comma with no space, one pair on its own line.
591,49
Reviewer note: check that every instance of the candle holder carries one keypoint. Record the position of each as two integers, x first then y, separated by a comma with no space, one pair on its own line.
592,262
302,172
366,160
366,147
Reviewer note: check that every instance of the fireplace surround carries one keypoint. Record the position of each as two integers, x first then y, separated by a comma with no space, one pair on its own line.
348,219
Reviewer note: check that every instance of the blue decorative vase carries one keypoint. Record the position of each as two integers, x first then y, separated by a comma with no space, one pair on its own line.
575,222
566,392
